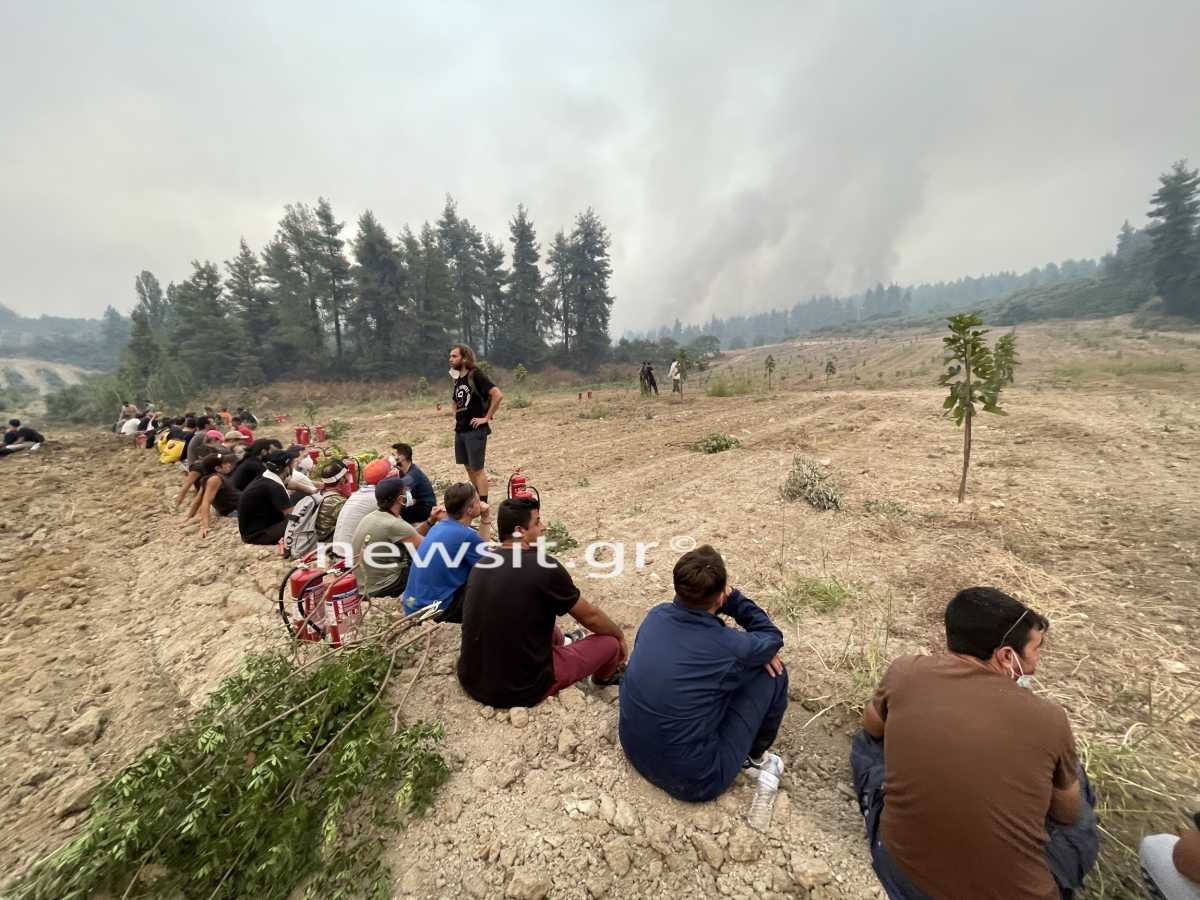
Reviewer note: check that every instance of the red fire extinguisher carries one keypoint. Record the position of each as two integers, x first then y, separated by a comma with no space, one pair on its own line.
302,435
320,434
352,466
519,487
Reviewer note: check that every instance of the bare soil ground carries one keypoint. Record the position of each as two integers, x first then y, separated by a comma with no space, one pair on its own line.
1083,502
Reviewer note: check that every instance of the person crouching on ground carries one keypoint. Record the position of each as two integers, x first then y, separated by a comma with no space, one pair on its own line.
335,480
512,653
18,437
448,554
265,504
215,490
968,781
382,560
205,444
700,702
358,505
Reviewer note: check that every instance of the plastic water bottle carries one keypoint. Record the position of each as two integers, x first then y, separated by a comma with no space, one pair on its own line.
762,805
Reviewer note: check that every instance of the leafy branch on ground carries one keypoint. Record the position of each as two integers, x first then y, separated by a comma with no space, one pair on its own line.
716,443
558,539
336,429
284,779
800,593
809,481
887,508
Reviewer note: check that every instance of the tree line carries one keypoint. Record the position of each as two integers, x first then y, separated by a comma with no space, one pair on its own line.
313,304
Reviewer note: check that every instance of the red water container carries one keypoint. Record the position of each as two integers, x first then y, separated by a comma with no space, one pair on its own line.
302,435
352,465
313,453
320,434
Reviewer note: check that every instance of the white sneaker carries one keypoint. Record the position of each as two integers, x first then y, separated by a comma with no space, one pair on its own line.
768,762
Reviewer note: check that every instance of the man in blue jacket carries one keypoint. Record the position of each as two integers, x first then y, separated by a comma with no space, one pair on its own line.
701,701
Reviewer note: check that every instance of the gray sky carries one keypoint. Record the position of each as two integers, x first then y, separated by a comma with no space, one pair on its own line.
743,157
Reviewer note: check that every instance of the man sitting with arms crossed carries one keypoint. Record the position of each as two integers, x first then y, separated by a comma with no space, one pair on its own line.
980,793
423,497
448,554
381,560
512,652
700,702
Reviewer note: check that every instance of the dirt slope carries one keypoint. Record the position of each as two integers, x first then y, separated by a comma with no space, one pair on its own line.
1083,502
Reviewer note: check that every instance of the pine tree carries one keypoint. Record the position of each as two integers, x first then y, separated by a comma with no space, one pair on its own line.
142,357
203,339
301,238
429,284
380,319
519,336
557,295
589,275
495,278
150,299
1173,232
252,314
294,349
460,244
334,279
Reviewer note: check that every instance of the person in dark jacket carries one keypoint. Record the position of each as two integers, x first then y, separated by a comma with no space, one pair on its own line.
19,437
700,702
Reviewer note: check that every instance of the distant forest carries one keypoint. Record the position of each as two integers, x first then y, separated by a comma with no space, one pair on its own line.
879,302
312,305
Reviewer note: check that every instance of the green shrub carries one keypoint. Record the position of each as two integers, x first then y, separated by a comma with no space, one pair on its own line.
730,386
520,402
336,429
558,539
799,593
808,481
889,508
716,443
596,411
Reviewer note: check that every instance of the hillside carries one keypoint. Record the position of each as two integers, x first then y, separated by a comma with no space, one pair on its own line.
24,382
74,341
1084,502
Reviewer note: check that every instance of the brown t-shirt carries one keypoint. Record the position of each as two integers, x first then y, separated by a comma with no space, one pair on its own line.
971,759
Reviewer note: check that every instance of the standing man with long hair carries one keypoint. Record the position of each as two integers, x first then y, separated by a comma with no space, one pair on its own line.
476,400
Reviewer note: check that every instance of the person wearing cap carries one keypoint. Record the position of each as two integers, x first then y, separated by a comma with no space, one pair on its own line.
969,781
358,505
235,442
200,439
452,549
265,505
335,478
215,491
381,539
239,425
423,498
209,442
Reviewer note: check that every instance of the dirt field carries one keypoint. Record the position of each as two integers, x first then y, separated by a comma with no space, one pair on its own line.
1083,502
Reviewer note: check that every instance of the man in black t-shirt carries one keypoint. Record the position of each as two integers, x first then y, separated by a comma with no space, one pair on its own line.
265,504
476,400
512,652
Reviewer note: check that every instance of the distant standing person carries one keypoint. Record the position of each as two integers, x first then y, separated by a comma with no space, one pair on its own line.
651,382
476,400
676,378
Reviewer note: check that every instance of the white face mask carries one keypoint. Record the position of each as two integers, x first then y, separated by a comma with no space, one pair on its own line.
408,500
456,373
1023,680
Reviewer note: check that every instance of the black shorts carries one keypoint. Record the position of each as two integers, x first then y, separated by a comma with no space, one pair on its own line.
470,448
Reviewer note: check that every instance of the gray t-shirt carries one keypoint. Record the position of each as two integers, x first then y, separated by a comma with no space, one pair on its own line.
386,566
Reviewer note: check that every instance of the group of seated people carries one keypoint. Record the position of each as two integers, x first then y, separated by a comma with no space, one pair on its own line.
968,781
18,437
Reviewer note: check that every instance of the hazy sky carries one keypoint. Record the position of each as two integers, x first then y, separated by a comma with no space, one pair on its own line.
743,155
